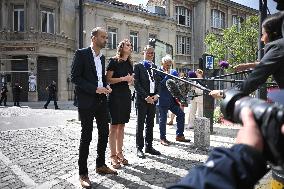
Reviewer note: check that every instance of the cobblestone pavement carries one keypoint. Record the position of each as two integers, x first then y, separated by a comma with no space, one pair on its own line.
46,158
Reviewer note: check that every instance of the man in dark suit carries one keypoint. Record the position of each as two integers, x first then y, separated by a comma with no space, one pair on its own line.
147,94
167,102
88,75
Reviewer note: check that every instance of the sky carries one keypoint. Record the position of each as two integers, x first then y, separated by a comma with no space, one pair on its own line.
250,3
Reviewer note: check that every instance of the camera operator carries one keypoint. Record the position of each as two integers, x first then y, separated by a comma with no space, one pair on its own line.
272,61
240,166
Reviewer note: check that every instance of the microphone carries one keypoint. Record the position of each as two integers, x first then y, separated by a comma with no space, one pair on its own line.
175,92
148,66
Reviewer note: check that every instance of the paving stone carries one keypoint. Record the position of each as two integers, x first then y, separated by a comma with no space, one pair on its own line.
49,156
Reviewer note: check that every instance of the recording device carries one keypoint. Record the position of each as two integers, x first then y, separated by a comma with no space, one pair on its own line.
269,117
175,92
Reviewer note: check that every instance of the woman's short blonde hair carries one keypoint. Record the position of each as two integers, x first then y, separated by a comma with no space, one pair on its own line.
199,71
167,58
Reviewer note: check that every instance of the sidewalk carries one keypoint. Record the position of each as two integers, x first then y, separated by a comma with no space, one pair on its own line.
46,158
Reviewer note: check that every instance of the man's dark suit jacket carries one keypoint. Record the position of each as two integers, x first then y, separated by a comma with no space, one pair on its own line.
142,82
272,63
84,76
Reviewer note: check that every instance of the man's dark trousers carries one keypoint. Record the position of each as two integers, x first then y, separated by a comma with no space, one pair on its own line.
3,99
100,112
145,110
50,97
174,108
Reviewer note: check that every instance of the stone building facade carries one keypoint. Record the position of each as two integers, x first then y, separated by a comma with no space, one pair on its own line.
127,21
38,37
196,18
37,42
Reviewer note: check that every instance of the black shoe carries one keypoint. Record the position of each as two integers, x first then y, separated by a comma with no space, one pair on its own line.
45,107
152,151
56,108
140,154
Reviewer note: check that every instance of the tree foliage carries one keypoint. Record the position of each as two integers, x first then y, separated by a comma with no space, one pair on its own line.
233,45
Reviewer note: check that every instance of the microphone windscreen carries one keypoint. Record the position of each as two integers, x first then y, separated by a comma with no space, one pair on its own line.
191,74
174,72
147,64
173,88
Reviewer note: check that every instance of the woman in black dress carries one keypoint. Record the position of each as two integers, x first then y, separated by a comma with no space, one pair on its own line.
119,76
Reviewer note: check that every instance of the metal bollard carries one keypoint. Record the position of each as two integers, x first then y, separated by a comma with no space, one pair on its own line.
201,132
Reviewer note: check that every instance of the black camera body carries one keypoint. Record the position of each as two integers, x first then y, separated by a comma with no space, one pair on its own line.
269,117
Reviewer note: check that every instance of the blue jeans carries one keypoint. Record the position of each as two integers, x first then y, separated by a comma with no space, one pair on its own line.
174,108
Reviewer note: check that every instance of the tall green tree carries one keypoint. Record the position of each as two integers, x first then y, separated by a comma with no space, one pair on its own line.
233,45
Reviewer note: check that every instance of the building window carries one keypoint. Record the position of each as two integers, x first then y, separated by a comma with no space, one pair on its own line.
19,18
134,40
183,45
217,19
183,16
112,38
47,21
237,21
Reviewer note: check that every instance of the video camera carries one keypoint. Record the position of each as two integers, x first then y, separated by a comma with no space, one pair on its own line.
269,117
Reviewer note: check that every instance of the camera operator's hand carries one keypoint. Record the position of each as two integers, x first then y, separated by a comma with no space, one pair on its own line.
217,94
250,134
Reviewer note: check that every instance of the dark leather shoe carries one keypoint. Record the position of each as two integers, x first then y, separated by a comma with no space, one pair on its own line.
182,139
105,170
152,151
165,142
140,154
85,181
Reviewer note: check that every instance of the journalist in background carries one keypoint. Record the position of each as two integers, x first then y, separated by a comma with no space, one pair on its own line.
239,167
272,62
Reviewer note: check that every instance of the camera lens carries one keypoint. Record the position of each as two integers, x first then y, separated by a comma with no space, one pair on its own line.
258,107
235,101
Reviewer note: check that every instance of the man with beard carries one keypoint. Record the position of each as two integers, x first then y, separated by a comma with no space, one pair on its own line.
88,75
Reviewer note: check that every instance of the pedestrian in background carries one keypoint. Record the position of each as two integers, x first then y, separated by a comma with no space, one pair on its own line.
196,103
88,75
4,91
119,75
51,95
146,86
17,89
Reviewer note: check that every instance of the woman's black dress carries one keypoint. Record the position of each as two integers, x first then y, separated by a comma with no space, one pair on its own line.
120,97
